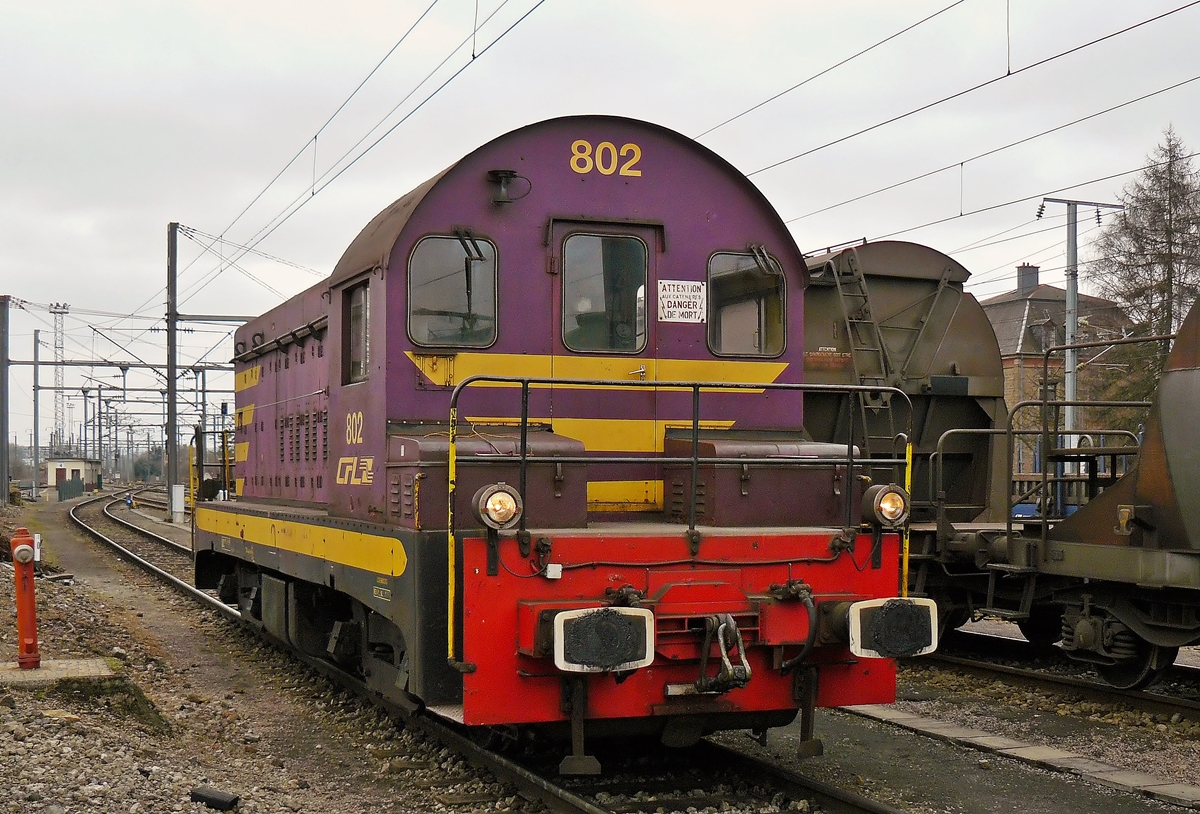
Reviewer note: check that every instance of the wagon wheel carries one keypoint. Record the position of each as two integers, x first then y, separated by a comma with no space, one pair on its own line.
1043,627
1133,674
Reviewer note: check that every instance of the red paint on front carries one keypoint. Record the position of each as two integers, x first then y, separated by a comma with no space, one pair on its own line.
734,576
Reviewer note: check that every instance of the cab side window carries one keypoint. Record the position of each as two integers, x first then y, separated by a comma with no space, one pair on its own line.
356,318
745,305
452,291
604,293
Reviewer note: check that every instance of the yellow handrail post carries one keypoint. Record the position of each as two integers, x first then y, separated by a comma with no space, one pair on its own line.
451,566
908,462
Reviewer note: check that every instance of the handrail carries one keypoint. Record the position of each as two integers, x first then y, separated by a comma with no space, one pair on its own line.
695,387
939,495
937,473
1043,402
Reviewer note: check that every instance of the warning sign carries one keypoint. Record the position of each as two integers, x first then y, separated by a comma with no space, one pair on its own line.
681,301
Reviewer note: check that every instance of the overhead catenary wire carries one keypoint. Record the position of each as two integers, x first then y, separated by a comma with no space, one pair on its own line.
192,233
344,163
302,150
332,116
959,164
832,67
1023,199
972,89
158,319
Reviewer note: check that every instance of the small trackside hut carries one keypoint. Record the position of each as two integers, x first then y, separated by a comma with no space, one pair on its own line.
533,458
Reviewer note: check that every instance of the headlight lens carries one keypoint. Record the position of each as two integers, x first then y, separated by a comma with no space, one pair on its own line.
498,506
885,505
892,506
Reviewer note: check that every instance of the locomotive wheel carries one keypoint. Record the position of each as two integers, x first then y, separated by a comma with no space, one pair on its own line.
1043,628
1140,671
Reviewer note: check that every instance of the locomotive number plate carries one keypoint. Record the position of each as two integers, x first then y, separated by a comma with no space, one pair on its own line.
605,158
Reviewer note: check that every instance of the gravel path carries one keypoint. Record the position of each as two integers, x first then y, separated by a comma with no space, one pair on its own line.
196,702
1168,748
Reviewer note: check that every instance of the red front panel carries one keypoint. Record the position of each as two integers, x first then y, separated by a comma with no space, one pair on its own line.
733,574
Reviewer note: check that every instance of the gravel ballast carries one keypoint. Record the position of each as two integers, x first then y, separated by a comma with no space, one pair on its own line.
196,702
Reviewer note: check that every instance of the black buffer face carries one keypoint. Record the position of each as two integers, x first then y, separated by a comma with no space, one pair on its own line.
897,629
604,640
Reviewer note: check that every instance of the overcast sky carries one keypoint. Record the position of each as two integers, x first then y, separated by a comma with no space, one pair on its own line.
119,117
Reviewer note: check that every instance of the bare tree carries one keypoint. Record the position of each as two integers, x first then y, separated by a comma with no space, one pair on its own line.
1148,258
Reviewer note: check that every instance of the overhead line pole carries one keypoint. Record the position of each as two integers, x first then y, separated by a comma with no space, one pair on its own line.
4,471
1071,362
172,361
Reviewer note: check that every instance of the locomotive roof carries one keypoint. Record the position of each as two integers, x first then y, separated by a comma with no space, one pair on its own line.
373,246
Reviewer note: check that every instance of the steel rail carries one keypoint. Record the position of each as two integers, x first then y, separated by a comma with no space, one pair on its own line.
828,796
186,549
149,567
1144,700
529,784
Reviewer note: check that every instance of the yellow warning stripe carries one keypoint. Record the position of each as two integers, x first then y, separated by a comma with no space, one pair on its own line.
369,552
247,378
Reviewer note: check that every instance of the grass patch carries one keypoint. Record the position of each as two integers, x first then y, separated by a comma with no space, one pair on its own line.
117,695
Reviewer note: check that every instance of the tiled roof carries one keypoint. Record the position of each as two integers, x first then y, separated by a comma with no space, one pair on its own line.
1032,321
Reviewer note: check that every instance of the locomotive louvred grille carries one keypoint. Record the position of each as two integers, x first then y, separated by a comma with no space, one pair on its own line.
680,499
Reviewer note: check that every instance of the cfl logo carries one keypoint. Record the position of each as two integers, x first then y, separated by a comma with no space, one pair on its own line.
356,471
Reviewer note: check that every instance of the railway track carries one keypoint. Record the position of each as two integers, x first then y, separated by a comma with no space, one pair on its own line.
154,497
1177,691
707,776
163,558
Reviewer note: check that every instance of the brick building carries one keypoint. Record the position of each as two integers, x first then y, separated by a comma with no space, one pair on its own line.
1031,319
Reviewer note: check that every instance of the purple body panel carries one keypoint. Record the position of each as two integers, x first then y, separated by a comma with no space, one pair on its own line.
282,419
686,205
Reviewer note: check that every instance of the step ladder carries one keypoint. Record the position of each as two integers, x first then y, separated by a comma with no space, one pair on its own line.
998,570
872,363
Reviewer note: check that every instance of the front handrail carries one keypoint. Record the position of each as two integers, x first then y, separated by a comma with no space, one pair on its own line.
695,387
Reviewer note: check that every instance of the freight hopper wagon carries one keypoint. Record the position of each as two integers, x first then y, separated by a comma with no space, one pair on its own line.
1117,580
895,314
533,458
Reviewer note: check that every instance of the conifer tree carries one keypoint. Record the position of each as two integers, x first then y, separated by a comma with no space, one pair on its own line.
1148,260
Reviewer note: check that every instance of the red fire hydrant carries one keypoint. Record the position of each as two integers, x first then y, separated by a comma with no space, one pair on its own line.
22,553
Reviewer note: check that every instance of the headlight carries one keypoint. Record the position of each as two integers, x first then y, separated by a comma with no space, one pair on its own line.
497,506
885,505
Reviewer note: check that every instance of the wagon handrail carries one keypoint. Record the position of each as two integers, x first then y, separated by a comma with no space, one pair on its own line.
525,382
1044,522
937,472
